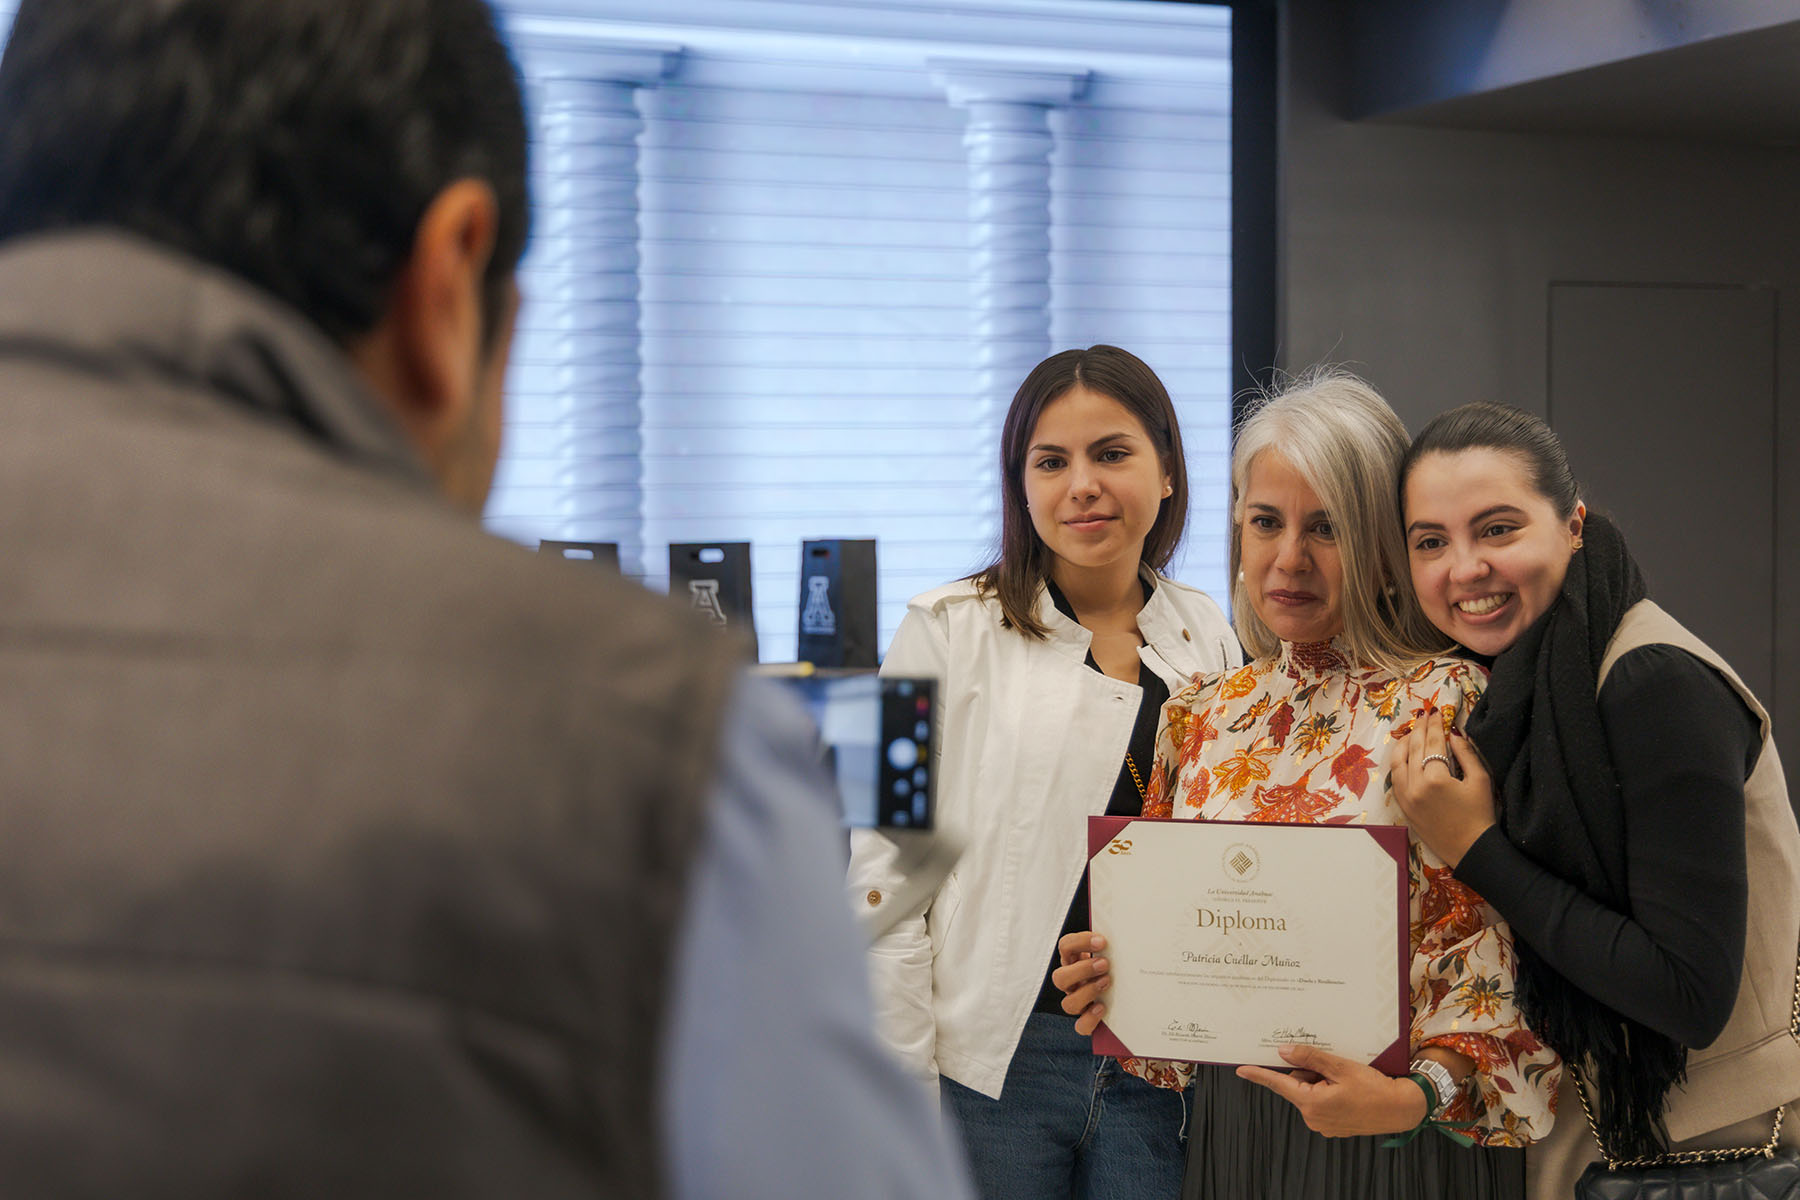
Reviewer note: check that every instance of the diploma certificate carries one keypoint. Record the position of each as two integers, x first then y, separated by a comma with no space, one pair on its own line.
1229,939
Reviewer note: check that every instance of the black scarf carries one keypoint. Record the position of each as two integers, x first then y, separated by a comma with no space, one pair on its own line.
1538,728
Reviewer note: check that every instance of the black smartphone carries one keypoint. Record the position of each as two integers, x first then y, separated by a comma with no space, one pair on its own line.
878,735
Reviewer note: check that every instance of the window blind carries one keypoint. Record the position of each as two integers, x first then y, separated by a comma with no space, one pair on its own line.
807,363
1141,258
807,366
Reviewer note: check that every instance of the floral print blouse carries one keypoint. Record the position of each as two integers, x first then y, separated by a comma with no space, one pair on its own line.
1305,737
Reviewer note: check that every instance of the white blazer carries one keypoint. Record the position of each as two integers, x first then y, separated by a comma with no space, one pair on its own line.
1030,741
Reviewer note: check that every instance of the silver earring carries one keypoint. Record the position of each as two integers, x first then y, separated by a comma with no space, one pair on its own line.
1240,577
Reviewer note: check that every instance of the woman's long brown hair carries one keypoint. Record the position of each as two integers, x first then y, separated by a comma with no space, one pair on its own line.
1015,577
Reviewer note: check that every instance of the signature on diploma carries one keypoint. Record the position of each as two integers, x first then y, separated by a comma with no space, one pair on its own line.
1187,1029
1299,1034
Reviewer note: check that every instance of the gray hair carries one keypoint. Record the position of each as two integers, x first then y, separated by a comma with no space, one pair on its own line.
1345,441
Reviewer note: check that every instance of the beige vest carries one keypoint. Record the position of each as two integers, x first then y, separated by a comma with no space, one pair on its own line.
1754,1066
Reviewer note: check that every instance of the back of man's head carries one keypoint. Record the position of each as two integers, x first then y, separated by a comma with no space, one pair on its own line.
294,143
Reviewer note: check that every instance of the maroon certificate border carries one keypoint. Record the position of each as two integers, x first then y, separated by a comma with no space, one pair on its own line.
1391,838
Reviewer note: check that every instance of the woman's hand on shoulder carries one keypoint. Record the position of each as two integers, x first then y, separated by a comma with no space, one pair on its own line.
1446,810
1082,978
1339,1097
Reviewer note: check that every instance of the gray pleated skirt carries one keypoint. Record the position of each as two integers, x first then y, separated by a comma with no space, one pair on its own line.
1246,1143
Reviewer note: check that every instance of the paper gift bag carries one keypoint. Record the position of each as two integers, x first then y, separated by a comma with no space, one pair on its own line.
837,602
714,579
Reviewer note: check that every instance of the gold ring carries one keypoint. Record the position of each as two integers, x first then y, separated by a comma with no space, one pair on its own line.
1443,758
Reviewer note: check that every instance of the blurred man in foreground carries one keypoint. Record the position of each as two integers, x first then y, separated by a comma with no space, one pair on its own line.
346,851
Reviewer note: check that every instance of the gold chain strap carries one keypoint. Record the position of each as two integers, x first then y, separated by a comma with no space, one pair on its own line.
1690,1157
1143,795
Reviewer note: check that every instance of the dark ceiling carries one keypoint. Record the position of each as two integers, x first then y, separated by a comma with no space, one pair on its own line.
1740,88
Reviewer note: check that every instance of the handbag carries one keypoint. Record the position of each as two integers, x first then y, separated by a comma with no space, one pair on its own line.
1738,1173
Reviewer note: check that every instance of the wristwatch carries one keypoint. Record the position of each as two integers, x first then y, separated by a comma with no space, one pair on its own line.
1442,1089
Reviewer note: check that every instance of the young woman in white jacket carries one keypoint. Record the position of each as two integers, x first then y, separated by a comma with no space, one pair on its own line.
1053,664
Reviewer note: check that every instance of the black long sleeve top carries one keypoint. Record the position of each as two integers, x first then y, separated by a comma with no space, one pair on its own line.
1682,742
1127,800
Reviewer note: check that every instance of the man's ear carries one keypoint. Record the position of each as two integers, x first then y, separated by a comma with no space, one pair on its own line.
425,355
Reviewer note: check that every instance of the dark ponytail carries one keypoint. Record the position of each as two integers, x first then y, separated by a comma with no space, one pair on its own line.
1486,426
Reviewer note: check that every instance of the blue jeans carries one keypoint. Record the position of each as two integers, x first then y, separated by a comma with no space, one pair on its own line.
1070,1123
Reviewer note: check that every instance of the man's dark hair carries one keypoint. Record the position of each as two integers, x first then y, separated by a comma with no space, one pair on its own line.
294,143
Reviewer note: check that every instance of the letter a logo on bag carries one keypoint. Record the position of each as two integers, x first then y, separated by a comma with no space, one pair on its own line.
705,594
817,619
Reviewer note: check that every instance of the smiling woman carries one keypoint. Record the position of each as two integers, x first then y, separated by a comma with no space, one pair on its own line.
1626,811
1306,734
1488,547
1052,666
1094,483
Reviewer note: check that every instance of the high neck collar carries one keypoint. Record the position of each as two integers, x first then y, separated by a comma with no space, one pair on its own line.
1312,659
123,305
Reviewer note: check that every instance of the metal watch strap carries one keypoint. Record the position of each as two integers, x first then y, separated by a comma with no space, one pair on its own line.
1442,1083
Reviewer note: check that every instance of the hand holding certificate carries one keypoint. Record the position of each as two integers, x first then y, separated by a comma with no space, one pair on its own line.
1227,940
